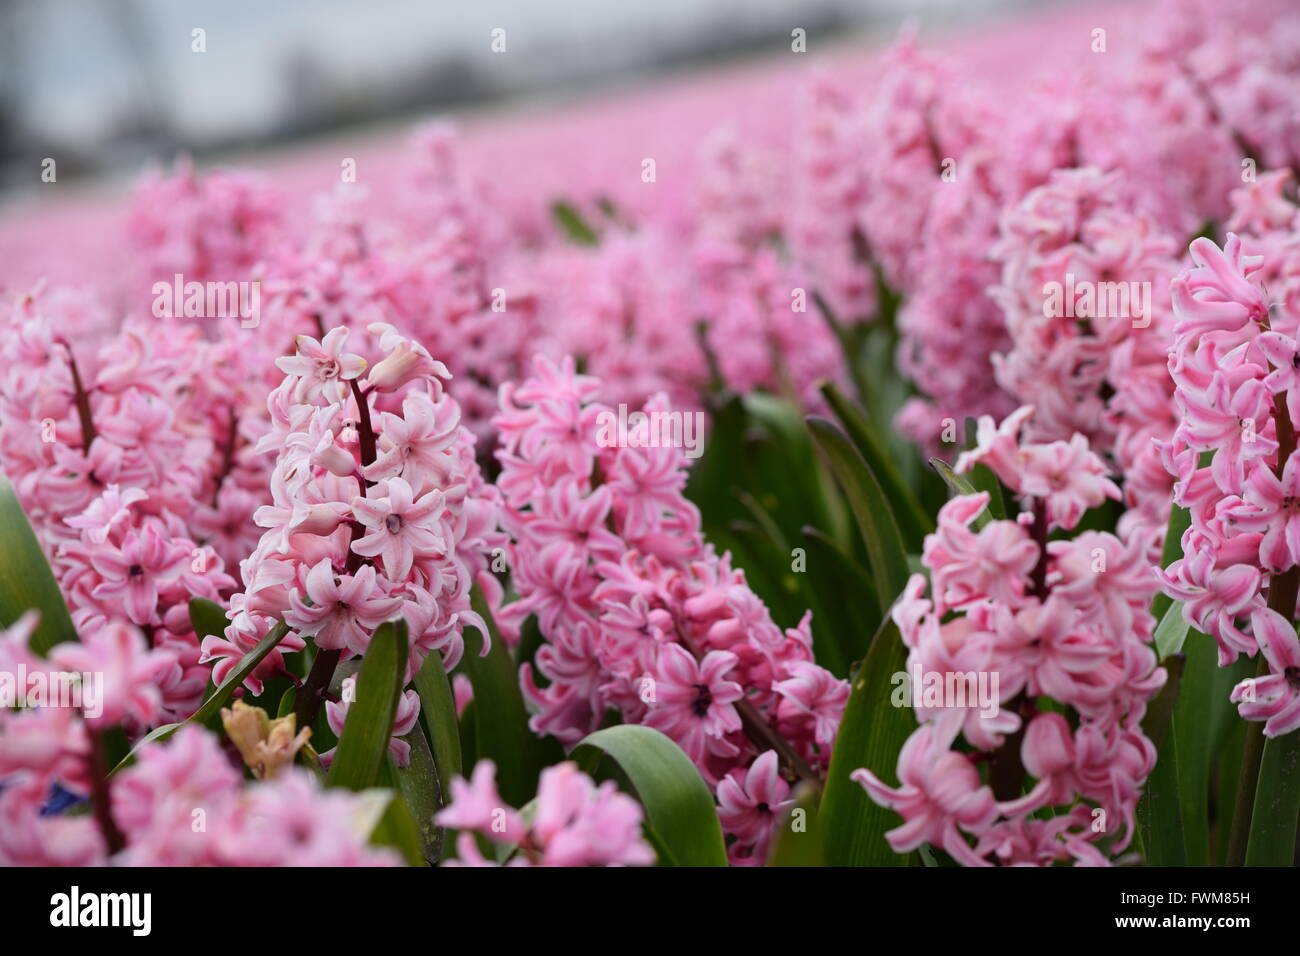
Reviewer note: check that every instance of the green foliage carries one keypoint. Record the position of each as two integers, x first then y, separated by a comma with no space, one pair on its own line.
680,820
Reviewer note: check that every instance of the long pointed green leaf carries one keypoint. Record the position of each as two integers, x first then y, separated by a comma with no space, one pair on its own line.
840,629
421,790
501,731
208,618
438,713
26,581
679,811
961,485
1191,737
912,520
1171,632
218,699
1179,521
209,709
982,478
1277,804
798,841
871,735
363,745
1159,814
872,510
389,822
572,224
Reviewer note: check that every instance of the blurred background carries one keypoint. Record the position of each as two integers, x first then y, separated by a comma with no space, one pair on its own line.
108,86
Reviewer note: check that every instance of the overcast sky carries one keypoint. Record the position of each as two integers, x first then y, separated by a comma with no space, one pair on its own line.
80,64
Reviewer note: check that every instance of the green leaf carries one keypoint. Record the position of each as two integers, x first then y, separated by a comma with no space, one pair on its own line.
208,618
875,517
767,565
914,524
680,818
1277,804
712,476
389,822
438,713
1191,738
421,790
363,745
1180,519
840,629
961,485
501,731
1160,712
571,223
871,735
1159,814
982,477
1171,632
798,842
26,581
785,475
211,707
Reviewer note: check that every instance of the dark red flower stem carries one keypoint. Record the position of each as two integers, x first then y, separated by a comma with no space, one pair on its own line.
227,456
82,399
307,701
100,798
1006,769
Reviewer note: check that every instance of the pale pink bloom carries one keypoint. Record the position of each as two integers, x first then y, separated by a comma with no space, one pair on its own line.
155,799
1101,575
412,445
1262,205
1283,354
993,562
405,360
1229,418
476,805
134,572
1068,477
401,527
128,668
1050,642
27,839
1217,295
1215,598
291,821
46,744
579,824
107,511
322,367
344,610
